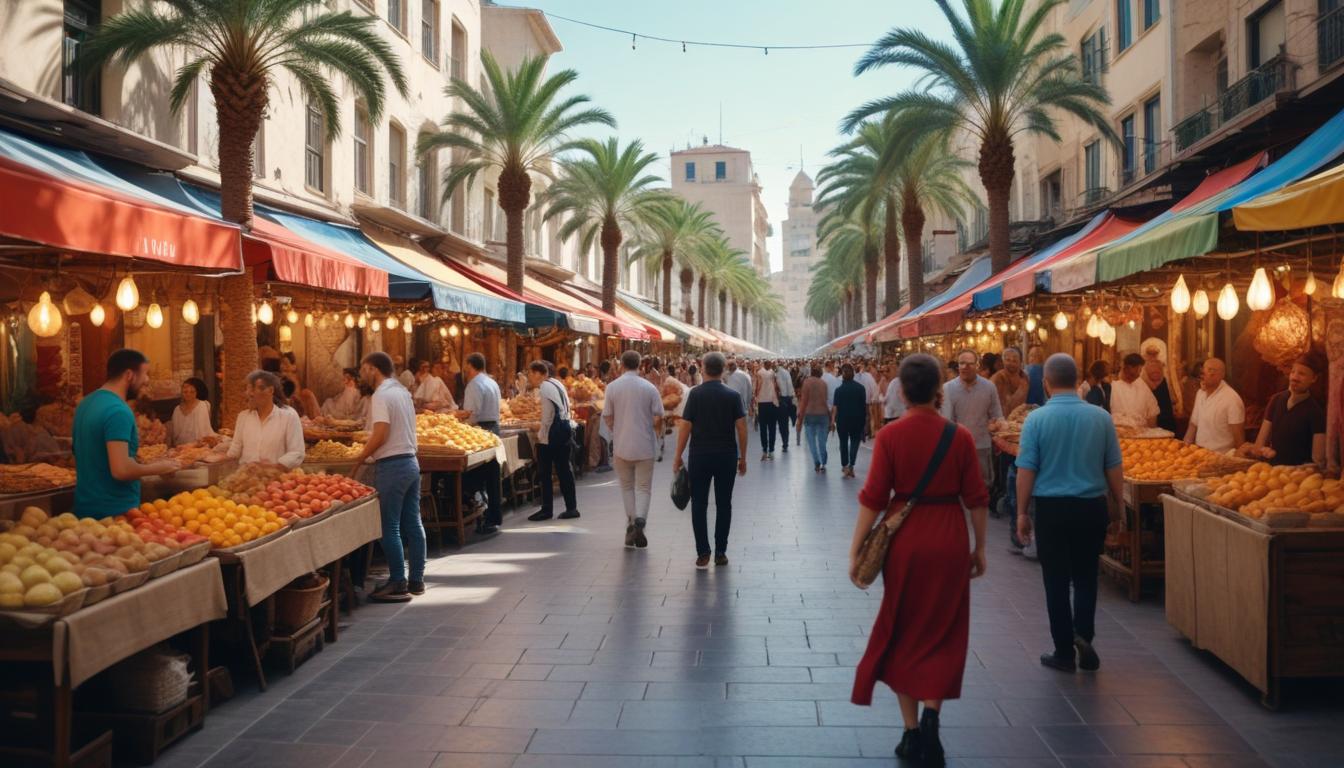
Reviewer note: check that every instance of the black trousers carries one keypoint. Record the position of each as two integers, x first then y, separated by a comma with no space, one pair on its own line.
557,458
721,470
850,438
486,478
767,419
786,416
1070,533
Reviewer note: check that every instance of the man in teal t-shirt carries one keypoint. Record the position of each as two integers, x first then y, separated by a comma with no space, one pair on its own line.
106,440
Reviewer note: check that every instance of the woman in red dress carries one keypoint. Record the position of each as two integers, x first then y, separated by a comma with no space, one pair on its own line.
918,643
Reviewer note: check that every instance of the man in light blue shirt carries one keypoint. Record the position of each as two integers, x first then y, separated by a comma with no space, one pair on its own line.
480,406
1068,462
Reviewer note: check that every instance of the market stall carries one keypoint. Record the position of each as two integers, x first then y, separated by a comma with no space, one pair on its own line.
448,450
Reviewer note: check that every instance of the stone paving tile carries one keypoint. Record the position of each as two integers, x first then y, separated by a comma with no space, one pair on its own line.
558,648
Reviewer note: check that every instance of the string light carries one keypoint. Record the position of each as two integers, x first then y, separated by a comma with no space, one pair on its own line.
406,325
1227,302
1061,320
636,36
392,322
1031,324
265,314
443,332
1260,295
1180,296
1310,287
453,330
97,315
308,320
291,316
375,326
363,321
191,312
349,320
154,316
44,319
1200,303
128,294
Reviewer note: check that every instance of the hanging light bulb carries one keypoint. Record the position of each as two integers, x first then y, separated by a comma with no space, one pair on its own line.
392,322
1013,327
349,320
970,326
1061,320
1310,287
1337,290
466,331
1132,324
376,325
979,326
1200,303
1180,296
1227,302
1031,324
191,312
1107,335
97,315
128,294
363,321
308,320
265,313
291,316
1094,326
1003,327
154,316
1261,294
286,334
453,330
406,325
44,319
443,331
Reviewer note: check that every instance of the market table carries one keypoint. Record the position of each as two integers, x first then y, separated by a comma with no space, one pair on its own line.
455,465
48,500
1129,557
92,639
1269,605
253,575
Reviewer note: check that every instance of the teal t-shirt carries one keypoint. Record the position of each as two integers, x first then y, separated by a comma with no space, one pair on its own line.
100,418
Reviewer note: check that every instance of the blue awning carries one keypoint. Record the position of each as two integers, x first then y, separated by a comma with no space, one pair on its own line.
976,273
992,296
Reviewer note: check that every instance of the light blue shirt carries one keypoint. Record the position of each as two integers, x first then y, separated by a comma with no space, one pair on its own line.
481,398
1069,444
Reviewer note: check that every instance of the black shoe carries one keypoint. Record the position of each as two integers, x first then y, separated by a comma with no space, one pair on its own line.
569,514
1056,662
641,541
487,530
391,592
1088,660
911,746
415,587
630,536
932,747
720,559
786,449
539,515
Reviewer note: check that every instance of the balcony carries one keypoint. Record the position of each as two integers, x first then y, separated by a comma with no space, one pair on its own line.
1146,157
1330,39
1274,77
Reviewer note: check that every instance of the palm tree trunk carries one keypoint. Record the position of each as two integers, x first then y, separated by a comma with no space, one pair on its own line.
996,173
240,103
667,283
891,257
870,267
700,308
736,309
912,221
611,264
687,283
515,193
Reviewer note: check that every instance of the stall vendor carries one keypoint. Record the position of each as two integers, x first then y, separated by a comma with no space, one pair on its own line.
1218,419
270,433
191,417
106,439
1293,430
431,393
350,404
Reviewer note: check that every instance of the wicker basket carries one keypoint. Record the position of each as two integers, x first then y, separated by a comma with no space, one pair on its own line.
295,607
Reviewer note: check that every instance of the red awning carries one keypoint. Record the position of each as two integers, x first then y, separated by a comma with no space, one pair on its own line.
611,323
66,213
273,252
1217,182
1024,283
870,333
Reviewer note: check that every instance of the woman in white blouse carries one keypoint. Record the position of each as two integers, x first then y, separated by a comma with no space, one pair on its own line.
191,418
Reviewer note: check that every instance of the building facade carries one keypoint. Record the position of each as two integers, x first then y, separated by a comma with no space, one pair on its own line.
722,180
799,333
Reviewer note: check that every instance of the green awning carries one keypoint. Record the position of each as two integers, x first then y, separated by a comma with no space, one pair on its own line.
1179,238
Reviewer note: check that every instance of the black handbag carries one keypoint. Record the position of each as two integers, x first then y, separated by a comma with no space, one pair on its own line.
681,488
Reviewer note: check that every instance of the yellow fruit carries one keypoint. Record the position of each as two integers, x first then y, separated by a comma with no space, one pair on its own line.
41,595
67,582
9,601
11,584
34,575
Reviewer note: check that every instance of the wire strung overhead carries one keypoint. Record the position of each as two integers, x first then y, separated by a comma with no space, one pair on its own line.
637,36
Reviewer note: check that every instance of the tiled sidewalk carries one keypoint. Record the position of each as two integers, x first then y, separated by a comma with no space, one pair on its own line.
551,645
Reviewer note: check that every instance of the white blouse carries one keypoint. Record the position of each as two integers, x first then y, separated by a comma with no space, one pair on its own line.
189,427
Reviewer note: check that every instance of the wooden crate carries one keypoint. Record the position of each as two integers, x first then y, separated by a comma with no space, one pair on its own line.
141,737
294,649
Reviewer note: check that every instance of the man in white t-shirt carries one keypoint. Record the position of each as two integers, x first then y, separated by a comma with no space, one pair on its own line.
832,381
391,449
1218,420
1132,400
633,411
787,412
874,396
766,393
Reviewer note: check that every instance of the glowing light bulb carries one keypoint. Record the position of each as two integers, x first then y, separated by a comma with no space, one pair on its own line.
363,321
1107,334
1180,296
1261,294
1031,324
291,317
392,322
1094,326
191,312
1061,320
970,326
979,326
466,331
308,320
265,314
406,325
154,316
128,294
44,319
349,320
375,326
1310,287
1200,303
453,330
443,332
286,334
1228,303
97,315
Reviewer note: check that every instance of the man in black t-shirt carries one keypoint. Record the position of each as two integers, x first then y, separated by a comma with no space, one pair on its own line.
714,423
1293,430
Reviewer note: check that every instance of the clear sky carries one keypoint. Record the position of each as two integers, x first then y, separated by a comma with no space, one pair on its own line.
784,107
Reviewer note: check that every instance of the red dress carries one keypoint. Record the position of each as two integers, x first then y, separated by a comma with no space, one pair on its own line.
918,643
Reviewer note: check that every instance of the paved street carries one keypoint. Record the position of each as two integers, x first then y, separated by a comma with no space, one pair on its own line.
551,645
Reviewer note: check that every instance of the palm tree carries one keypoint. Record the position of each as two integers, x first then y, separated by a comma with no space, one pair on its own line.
1002,77
675,233
857,197
516,125
852,245
602,192
241,47
718,262
770,312
836,282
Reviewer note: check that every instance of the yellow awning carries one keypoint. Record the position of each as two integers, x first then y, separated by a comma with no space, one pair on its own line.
1312,202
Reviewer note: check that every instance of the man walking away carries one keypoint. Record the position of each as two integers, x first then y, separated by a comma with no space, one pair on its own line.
1069,461
767,405
553,438
634,415
740,382
787,411
849,418
715,425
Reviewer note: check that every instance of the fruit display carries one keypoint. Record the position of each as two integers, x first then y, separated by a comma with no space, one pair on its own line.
148,453
296,494
248,481
155,530
524,407
1264,490
27,478
193,453
445,431
330,450
328,428
583,389
1157,460
226,523
152,431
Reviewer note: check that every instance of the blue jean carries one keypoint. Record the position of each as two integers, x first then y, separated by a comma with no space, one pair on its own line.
816,429
397,481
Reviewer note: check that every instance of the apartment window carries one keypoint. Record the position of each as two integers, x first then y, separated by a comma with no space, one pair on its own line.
396,15
1152,132
79,87
458,65
1093,56
396,165
363,151
429,30
690,171
1267,33
427,171
1052,197
1124,24
489,232
1128,150
259,152
1152,11
1092,171
720,170
315,150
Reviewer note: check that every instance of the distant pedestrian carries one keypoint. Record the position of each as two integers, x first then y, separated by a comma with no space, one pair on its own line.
740,382
714,423
814,417
1069,460
788,411
555,439
850,417
634,414
971,401
767,406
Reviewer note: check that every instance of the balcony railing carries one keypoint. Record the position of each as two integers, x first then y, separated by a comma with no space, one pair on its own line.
1260,84
1095,196
1330,39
